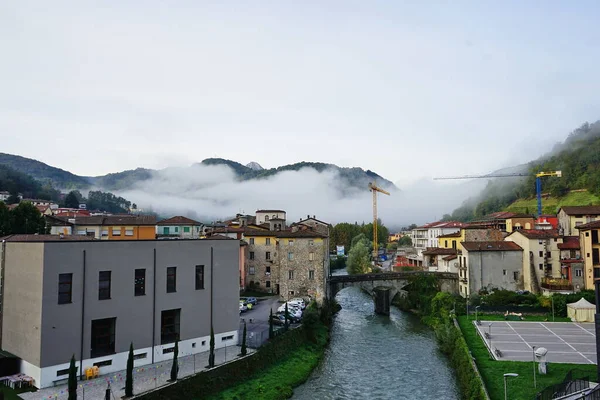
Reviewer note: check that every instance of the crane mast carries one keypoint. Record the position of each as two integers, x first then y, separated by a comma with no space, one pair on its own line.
374,189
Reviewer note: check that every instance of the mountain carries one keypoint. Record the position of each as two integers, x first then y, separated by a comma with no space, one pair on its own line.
58,178
578,157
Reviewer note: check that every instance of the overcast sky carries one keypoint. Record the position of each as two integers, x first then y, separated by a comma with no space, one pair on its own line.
407,89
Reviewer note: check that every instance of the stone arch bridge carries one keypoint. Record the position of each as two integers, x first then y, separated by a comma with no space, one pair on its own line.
383,287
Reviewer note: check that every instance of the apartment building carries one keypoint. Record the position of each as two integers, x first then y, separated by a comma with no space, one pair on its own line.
589,235
92,298
264,216
111,227
440,229
178,227
489,265
570,217
541,259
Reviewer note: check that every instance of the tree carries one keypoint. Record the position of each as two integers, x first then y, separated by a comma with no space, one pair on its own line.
287,325
211,354
71,200
13,198
129,373
26,218
175,366
72,379
244,351
271,331
359,256
5,224
405,241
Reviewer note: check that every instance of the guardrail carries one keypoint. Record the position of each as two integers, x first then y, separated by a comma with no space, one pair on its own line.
384,276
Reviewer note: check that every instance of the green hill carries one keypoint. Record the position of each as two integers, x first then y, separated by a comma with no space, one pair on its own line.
43,172
578,157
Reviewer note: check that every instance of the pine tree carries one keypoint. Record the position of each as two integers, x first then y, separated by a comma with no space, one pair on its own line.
271,331
175,366
129,372
72,379
244,351
211,354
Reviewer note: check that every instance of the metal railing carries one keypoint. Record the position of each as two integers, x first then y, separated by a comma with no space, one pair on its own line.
575,381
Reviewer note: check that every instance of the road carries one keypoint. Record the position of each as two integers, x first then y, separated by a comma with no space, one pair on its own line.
257,321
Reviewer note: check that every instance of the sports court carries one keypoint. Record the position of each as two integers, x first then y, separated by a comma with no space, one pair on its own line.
567,342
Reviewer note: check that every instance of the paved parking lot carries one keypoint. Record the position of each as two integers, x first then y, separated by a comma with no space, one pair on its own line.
567,342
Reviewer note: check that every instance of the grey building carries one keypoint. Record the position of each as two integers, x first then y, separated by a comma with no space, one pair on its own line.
92,298
487,265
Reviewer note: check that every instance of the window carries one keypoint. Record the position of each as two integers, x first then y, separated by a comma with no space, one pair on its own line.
290,275
587,234
140,356
103,337
104,232
596,273
311,274
290,256
166,230
291,242
595,256
454,244
266,217
267,270
446,243
595,236
268,241
268,284
541,253
251,240
252,255
116,231
129,232
311,242
186,229
291,292
541,267
176,229
199,277
140,282
65,371
311,256
225,338
169,350
169,326
104,363
516,275
171,279
268,255
65,288
578,272
104,285
251,270
504,272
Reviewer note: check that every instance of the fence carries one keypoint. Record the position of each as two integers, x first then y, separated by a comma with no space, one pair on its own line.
575,381
503,309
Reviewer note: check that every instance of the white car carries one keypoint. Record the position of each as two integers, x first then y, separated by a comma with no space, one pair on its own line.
298,301
243,307
292,309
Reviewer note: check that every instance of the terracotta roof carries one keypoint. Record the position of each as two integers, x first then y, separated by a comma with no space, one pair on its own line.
569,243
434,251
300,234
491,246
450,235
500,215
522,216
178,220
450,257
258,232
229,229
270,211
581,210
116,220
589,225
46,238
57,221
538,233
314,219
218,237
429,225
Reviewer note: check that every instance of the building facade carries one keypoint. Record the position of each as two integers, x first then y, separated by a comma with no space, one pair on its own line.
113,227
589,235
570,217
178,227
263,216
93,298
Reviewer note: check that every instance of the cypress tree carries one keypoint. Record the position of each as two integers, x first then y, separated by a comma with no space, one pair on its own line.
72,379
129,372
271,331
211,354
286,317
175,366
244,351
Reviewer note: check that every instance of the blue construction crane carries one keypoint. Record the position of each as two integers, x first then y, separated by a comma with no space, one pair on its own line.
538,182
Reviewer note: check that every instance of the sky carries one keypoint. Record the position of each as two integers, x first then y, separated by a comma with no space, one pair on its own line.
408,89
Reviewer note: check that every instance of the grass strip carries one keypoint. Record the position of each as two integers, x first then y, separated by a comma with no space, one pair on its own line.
521,387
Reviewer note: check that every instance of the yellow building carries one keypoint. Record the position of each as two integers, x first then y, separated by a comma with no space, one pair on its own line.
113,227
571,217
590,248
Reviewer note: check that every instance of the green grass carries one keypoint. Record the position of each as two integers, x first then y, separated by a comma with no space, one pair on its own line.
550,205
278,381
521,387
12,394
532,318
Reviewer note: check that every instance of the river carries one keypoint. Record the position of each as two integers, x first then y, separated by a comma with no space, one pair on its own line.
377,357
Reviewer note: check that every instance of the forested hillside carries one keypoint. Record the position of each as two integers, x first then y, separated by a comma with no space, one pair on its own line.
578,157
46,174
16,182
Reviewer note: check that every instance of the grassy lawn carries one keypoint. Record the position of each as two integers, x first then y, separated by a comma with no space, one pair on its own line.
12,394
550,205
532,318
492,371
278,381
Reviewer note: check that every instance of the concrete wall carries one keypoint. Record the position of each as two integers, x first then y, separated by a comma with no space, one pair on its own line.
494,269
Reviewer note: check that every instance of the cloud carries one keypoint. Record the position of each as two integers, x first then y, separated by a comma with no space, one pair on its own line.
211,193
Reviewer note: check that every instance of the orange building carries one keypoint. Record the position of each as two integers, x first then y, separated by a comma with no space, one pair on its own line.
112,227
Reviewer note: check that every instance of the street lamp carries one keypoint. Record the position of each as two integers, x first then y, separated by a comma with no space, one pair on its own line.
534,381
490,334
476,311
467,306
512,375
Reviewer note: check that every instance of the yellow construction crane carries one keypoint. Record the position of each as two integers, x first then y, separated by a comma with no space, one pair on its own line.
374,188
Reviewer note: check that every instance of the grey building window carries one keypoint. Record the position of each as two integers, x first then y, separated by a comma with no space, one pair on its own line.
104,285
268,241
291,242
541,266
252,255
251,240
140,282
504,272
268,255
541,253
251,270
103,337
578,272
169,326
65,288
290,275
171,279
268,284
290,256
199,277
311,242
516,275
311,274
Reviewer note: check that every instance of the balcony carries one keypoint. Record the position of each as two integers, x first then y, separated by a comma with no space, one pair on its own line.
558,284
464,280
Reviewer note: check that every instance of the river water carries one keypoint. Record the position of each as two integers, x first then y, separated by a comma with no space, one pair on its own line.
378,357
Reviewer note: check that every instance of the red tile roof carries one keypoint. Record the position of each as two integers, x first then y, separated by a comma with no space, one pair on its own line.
270,211
46,238
450,257
178,220
450,235
589,225
581,210
434,251
538,233
491,246
569,243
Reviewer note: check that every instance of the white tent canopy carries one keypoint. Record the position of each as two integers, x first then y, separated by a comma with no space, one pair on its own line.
581,311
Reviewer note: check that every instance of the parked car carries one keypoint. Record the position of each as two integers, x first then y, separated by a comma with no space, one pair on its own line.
251,300
291,307
292,318
243,307
278,319
298,301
